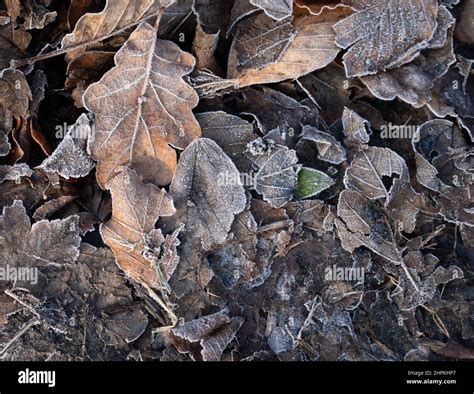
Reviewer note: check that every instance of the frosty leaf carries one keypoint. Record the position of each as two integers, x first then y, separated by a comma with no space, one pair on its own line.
151,109
52,206
212,333
312,48
70,159
212,15
15,97
31,14
329,149
426,173
174,15
413,82
204,46
15,172
385,34
276,9
129,325
260,41
116,15
316,7
135,209
355,128
43,243
366,174
230,132
13,43
240,10
276,178
276,110
364,224
207,192
312,182
368,169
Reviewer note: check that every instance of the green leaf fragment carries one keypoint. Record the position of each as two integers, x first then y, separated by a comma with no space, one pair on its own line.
312,182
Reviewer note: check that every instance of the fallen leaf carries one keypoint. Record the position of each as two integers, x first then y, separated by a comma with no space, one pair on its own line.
276,9
212,334
43,243
116,16
299,58
152,109
71,159
131,231
311,182
277,174
384,34
206,192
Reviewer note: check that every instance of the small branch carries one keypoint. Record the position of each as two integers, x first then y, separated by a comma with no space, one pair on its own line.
18,335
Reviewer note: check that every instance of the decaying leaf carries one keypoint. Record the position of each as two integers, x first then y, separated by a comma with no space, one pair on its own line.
131,232
207,192
385,34
277,173
298,59
329,149
206,338
43,243
15,172
276,9
355,128
71,159
231,133
151,109
116,15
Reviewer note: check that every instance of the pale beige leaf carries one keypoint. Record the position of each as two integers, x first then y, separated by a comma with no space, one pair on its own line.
143,108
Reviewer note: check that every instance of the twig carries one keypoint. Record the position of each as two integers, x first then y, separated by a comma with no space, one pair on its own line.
30,324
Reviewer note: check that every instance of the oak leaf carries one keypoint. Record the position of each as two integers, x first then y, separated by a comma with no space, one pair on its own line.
143,108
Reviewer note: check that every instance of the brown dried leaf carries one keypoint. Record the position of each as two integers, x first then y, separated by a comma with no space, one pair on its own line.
369,167
204,46
277,175
413,82
276,9
131,231
329,149
15,172
231,133
205,204
299,58
13,43
364,224
151,109
259,41
385,34
71,159
32,13
43,243
355,128
211,333
15,97
116,15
